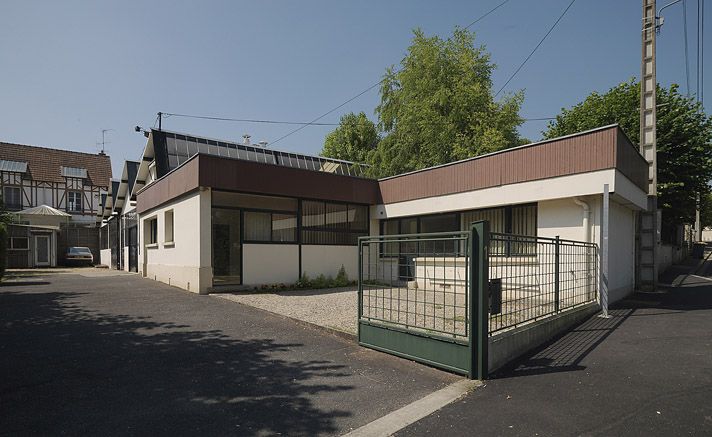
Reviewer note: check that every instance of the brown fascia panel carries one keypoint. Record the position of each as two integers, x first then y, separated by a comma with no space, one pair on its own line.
182,180
229,174
590,151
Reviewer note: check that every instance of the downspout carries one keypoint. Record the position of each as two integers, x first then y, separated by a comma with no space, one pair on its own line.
586,218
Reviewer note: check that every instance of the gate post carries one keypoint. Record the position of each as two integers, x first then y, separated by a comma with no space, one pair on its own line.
556,273
478,300
361,241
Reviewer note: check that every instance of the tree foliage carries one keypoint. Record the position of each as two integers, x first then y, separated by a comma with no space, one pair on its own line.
437,107
684,136
353,140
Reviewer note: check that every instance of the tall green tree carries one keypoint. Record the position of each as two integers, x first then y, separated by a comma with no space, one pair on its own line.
437,107
354,139
684,141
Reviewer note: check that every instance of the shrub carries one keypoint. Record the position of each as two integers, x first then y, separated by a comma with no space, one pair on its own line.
342,279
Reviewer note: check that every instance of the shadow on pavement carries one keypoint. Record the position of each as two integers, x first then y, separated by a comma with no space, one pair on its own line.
67,370
565,353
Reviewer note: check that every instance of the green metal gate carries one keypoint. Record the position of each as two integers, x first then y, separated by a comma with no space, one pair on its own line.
424,297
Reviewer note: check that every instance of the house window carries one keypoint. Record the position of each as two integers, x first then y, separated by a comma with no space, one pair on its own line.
12,197
152,231
168,227
74,201
278,227
333,223
18,243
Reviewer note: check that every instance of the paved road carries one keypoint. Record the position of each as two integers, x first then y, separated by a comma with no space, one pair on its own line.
104,354
645,371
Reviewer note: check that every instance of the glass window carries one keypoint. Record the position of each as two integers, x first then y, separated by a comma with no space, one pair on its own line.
168,226
18,243
390,227
439,223
258,226
151,231
358,218
333,223
284,227
12,197
74,201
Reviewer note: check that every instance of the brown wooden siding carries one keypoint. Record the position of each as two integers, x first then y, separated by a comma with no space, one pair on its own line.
182,180
587,152
253,177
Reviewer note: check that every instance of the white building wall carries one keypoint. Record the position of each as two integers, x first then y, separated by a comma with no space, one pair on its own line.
327,260
270,264
105,257
621,252
181,263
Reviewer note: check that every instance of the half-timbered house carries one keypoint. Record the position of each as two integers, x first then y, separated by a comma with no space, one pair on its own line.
68,181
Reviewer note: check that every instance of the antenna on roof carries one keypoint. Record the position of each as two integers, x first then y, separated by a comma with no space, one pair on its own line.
103,140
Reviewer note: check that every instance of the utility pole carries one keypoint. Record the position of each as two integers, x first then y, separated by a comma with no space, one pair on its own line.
649,220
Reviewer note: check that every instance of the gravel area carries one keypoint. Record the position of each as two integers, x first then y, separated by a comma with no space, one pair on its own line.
331,308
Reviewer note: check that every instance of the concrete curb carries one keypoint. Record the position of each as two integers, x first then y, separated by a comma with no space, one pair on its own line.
411,413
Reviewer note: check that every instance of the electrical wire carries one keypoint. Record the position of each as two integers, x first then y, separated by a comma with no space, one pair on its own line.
244,120
375,84
551,29
702,52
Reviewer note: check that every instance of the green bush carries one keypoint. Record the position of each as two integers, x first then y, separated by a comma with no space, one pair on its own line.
342,279
3,249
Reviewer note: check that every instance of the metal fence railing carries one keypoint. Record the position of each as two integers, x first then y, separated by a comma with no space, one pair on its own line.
417,282
535,277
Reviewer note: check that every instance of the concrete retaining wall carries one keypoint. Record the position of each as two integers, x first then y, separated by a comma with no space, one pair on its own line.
510,345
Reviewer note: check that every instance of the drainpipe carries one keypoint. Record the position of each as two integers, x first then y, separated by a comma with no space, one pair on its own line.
586,217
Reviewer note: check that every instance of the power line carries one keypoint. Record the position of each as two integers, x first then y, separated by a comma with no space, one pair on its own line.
251,120
551,29
375,84
485,15
245,120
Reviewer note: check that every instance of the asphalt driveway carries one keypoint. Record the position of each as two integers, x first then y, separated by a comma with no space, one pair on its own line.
104,353
645,371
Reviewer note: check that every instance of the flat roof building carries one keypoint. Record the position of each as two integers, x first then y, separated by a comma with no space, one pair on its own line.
215,214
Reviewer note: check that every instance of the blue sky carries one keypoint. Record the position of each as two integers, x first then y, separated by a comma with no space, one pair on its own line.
69,69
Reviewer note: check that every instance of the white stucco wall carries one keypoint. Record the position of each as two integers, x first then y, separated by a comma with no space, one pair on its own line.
327,260
182,263
105,257
621,252
270,264
563,217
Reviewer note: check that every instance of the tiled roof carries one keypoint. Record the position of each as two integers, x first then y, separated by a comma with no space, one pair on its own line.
46,164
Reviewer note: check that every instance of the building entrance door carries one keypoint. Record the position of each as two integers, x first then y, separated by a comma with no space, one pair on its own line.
227,247
42,250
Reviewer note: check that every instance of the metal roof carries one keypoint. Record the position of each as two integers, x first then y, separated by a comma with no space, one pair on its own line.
13,166
74,172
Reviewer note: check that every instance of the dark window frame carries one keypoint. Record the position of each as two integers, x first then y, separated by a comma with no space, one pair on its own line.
11,243
271,213
12,206
81,201
349,232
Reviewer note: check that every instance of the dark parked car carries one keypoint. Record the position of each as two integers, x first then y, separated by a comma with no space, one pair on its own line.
78,256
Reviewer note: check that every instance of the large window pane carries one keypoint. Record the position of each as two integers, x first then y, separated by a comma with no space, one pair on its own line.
284,227
258,226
